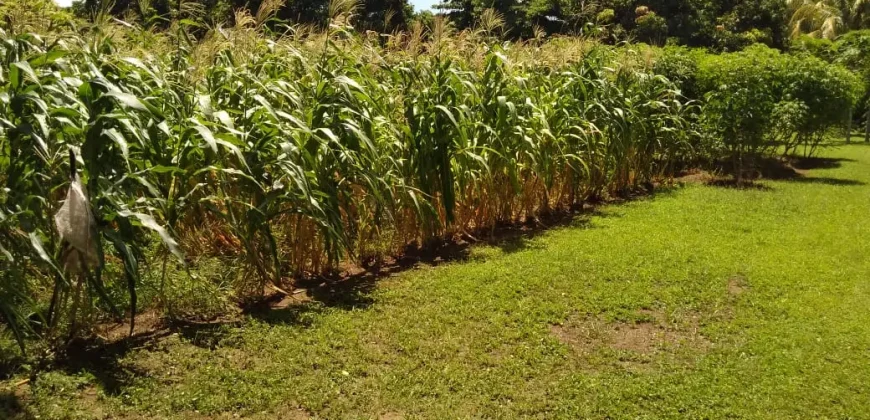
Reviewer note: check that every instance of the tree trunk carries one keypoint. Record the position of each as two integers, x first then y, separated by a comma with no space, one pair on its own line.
738,166
867,128
849,126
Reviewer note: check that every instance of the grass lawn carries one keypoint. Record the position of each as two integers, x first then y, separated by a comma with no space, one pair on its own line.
699,302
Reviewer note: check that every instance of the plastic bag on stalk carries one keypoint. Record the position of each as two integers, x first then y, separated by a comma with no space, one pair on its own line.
76,226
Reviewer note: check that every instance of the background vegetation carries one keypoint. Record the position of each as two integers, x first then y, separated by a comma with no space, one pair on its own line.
720,24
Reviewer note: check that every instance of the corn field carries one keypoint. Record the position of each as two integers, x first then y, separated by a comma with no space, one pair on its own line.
294,156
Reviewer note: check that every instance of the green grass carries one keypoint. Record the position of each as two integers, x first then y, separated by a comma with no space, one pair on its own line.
762,296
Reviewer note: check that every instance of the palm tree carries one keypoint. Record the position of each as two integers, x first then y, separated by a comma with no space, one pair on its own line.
827,18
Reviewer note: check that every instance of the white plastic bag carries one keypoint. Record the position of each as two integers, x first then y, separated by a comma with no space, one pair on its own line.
76,226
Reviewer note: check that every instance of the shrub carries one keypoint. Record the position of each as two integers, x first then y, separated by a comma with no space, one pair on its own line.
787,118
827,92
605,16
741,92
680,65
761,100
819,47
651,28
852,50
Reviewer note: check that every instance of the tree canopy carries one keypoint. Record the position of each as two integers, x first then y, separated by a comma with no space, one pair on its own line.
724,25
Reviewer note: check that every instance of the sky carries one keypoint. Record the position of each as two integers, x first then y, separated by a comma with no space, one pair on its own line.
423,4
418,4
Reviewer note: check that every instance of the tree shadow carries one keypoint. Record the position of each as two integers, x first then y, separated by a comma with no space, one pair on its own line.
10,359
299,314
774,168
517,244
12,408
350,293
828,181
207,335
745,185
757,168
348,290
104,359
807,163
791,169
521,237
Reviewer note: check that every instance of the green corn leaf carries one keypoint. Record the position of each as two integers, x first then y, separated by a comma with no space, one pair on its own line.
162,169
13,321
128,100
47,58
205,105
149,222
224,119
206,135
119,139
28,71
36,243
6,254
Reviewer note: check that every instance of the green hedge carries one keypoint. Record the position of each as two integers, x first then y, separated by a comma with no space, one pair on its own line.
760,100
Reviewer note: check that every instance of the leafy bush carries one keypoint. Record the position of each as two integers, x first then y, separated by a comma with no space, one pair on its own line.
680,65
819,47
651,28
742,90
787,118
852,50
760,99
827,91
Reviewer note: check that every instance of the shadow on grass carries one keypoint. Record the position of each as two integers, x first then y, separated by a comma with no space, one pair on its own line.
352,289
11,407
104,360
207,335
10,360
792,169
300,314
806,163
745,185
828,181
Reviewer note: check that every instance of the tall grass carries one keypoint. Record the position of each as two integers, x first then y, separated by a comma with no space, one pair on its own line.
296,154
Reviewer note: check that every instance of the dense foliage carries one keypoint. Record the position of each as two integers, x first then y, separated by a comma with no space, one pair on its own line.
760,101
718,24
760,98
851,50
299,159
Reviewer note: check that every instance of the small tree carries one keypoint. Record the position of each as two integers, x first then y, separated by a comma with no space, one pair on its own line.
741,96
852,50
828,92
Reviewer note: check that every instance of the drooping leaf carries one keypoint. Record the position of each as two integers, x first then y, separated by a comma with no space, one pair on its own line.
148,221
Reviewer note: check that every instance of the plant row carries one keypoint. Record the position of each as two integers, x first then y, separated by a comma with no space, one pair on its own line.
291,160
